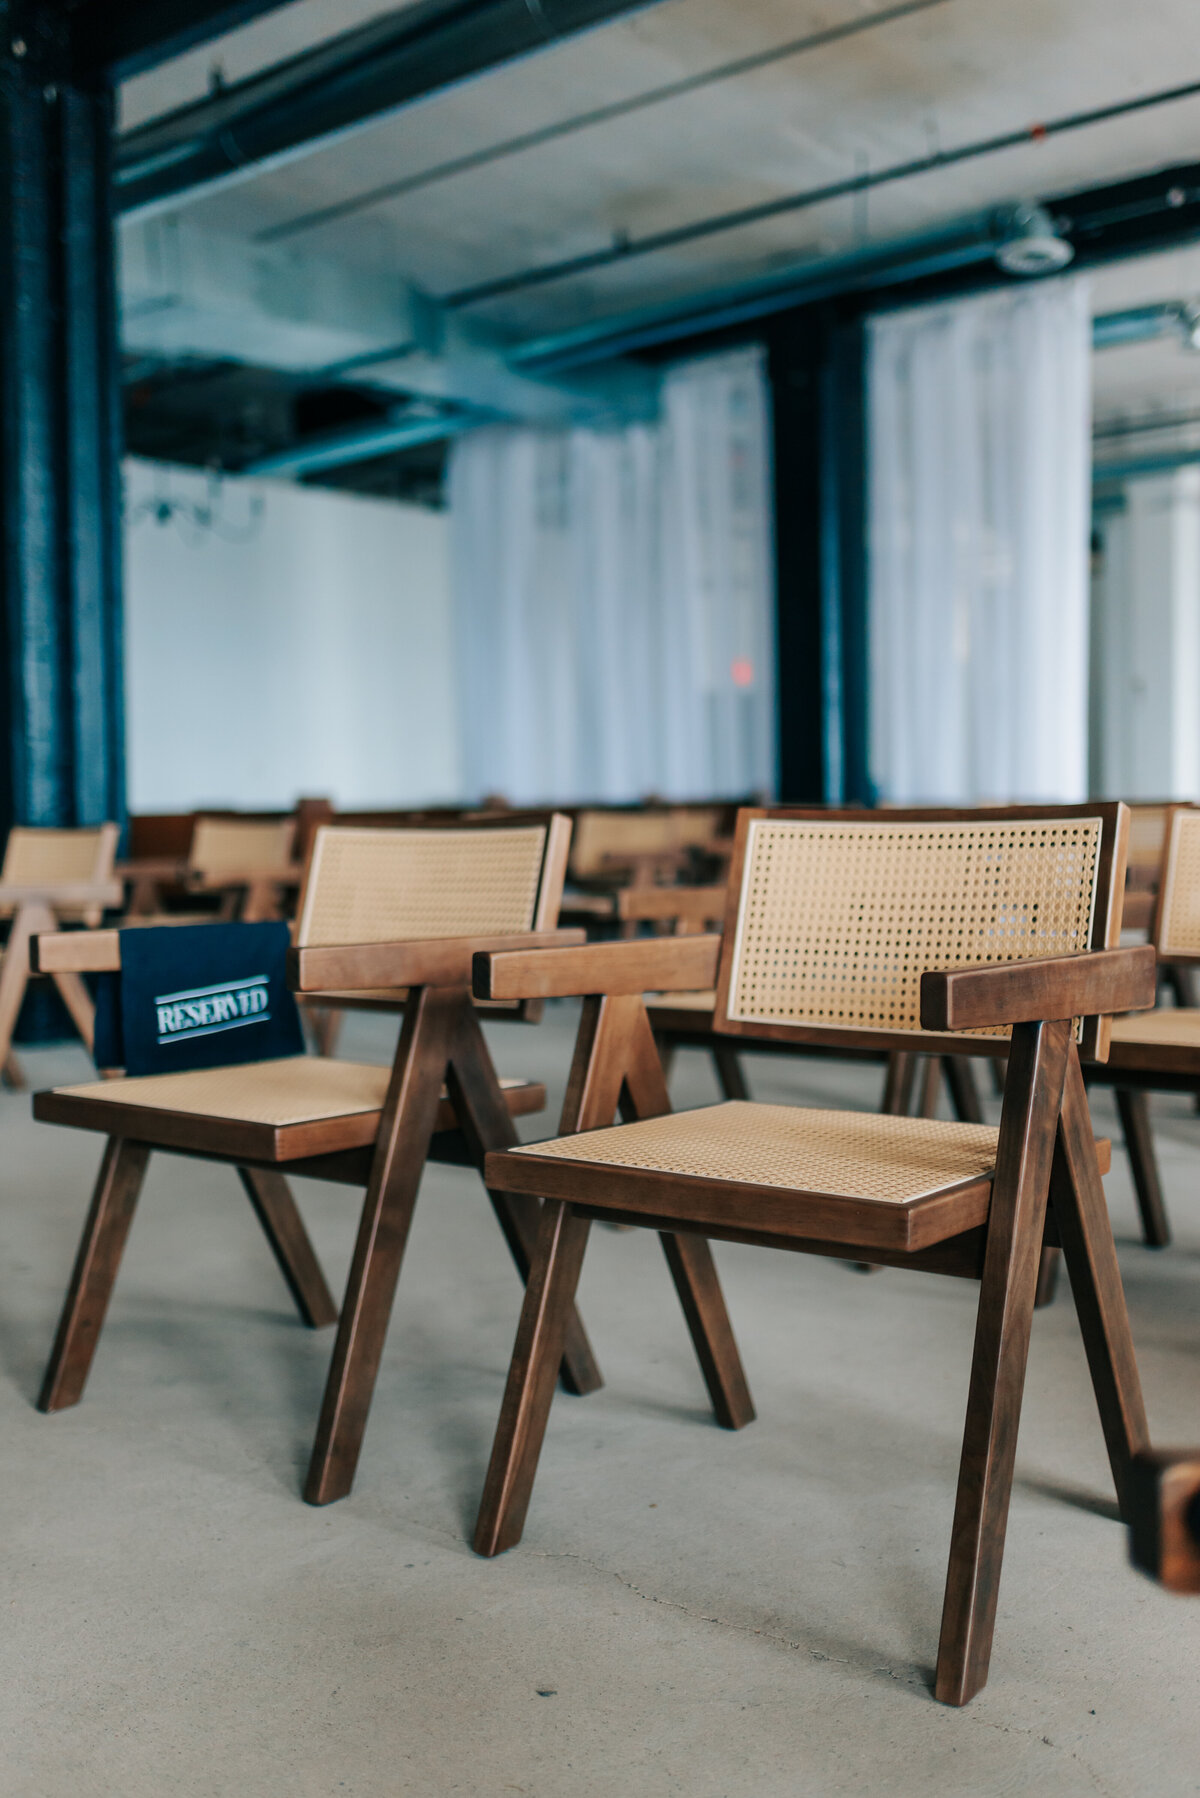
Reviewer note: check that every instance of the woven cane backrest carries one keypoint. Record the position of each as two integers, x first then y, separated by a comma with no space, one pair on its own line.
378,886
603,838
36,857
231,848
1178,930
838,916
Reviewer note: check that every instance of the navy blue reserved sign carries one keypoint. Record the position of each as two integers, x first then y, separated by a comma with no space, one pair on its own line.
197,996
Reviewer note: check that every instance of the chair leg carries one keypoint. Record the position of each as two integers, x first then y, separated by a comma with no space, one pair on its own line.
562,1240
898,1087
1133,1106
14,979
122,1171
963,1090
1047,1281
931,1085
1037,1064
731,1076
13,1073
487,1124
694,1273
78,1001
405,1129
276,1211
1085,1230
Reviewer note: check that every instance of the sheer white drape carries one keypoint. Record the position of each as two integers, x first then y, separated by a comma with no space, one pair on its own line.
613,594
980,467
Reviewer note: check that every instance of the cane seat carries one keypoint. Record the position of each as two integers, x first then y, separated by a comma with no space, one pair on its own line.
840,1176
279,1111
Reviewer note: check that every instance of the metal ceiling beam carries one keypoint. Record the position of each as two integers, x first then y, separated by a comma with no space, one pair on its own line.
120,40
338,85
340,449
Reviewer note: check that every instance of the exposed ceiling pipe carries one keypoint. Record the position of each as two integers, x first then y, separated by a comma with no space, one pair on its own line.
1142,324
972,242
337,86
596,115
339,449
1108,474
624,249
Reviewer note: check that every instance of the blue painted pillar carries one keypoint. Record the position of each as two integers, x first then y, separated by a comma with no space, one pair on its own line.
61,711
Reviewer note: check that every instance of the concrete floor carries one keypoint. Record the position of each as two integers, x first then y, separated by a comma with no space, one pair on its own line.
691,1612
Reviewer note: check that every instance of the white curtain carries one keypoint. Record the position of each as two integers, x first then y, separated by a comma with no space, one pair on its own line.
979,476
614,599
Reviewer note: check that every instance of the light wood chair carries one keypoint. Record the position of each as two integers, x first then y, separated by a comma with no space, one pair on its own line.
50,878
1159,1051
401,911
247,867
983,936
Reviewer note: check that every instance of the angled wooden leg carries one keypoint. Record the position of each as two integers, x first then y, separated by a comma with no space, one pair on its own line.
731,1076
14,978
405,1128
898,1087
78,1001
13,1073
325,1025
276,1211
487,1124
562,1240
122,1171
643,1094
1047,1281
1086,1233
1037,1067
1134,1108
695,1275
961,1085
931,1086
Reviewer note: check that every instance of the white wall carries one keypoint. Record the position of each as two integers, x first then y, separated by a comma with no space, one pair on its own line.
306,651
1146,643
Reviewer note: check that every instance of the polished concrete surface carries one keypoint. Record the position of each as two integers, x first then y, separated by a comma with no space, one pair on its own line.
691,1612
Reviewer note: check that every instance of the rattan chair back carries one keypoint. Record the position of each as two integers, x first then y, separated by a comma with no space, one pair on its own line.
835,916
39,857
378,886
605,836
1177,922
231,848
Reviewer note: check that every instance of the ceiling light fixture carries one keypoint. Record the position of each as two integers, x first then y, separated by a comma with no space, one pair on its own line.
1028,242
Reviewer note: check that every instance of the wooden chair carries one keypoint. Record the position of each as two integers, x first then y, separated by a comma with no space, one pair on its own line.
382,910
246,867
889,933
50,878
1159,1051
1164,1525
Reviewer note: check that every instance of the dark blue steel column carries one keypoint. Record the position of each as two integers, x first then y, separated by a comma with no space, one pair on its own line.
61,713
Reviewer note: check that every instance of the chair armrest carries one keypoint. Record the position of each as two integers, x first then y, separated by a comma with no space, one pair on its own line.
438,961
71,894
1094,984
656,965
76,952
